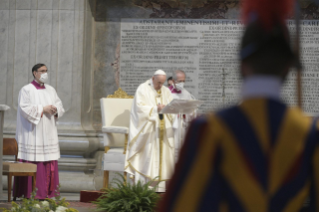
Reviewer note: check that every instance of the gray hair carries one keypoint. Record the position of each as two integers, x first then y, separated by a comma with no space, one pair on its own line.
176,72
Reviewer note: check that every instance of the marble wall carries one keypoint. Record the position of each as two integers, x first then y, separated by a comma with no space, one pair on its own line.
42,31
52,32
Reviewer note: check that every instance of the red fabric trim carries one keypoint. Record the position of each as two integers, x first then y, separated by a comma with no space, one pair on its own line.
174,90
37,85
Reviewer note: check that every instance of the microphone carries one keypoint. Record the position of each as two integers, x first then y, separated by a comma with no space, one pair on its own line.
160,116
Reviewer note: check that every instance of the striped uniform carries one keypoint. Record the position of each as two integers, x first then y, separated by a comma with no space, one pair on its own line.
259,156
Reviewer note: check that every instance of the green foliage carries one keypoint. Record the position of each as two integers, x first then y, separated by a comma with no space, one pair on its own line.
128,198
34,205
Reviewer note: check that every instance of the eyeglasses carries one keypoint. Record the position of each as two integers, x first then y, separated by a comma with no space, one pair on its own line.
43,71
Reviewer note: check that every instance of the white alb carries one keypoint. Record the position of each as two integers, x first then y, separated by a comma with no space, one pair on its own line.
37,137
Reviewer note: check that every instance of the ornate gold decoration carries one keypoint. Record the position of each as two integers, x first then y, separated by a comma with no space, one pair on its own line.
106,179
161,140
120,94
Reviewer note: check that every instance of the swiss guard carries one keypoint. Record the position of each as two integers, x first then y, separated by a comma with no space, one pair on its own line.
260,155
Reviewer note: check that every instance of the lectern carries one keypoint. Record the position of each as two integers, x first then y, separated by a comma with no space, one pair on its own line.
3,108
180,107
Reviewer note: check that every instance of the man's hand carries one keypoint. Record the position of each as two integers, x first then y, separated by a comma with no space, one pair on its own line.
50,109
160,107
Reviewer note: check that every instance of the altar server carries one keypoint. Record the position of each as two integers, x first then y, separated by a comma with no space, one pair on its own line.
150,150
181,122
260,155
178,86
39,108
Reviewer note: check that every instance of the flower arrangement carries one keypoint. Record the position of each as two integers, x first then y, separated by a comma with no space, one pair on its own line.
34,205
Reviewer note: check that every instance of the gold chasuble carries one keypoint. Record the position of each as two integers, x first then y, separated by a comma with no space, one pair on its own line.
150,149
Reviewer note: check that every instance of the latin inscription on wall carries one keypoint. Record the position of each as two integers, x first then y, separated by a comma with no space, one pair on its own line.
207,50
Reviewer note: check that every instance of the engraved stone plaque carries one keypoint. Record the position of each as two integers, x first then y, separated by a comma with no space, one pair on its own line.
207,50
309,52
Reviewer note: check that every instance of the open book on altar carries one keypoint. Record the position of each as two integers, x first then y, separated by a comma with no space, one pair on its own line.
183,106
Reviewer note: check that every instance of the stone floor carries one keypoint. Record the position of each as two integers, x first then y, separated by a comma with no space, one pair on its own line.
72,198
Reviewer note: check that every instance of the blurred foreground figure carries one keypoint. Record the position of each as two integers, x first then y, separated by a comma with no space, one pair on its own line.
257,156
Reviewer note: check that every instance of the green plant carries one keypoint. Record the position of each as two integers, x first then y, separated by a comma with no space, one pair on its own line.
34,205
128,198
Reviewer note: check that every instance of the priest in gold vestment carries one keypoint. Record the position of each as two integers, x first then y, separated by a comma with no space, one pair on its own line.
150,149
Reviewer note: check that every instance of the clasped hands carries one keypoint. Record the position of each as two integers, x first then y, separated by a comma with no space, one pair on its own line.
50,109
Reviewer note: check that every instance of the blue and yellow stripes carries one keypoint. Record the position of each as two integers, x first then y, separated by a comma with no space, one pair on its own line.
259,156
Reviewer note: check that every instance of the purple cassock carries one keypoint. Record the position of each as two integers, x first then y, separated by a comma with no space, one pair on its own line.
46,182
47,177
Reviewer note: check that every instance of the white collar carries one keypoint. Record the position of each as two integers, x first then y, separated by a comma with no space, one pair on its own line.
261,86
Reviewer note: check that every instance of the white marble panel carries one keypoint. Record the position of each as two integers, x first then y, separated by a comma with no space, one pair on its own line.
65,57
23,4
44,27
11,114
34,4
87,66
67,5
87,6
76,5
33,41
4,27
22,51
12,4
54,47
77,66
55,4
81,4
45,4
4,4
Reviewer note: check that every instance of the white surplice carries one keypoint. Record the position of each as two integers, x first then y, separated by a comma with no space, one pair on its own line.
37,137
181,123
143,149
184,94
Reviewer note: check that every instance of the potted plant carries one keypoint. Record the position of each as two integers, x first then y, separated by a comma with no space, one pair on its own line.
128,198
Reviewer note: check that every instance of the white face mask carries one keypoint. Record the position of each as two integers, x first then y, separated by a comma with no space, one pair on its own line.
44,78
180,86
